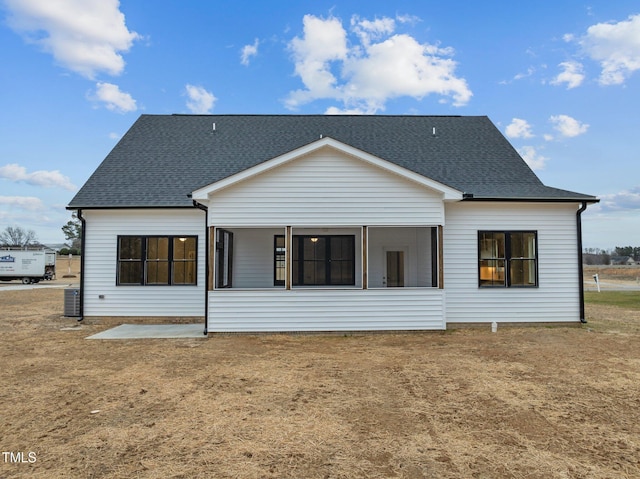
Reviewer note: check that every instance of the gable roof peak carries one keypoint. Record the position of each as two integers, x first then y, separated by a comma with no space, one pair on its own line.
447,192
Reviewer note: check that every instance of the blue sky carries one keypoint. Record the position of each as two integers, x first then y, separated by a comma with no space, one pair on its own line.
560,79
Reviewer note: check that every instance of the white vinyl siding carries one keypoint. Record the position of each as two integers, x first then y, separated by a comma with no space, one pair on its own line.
326,188
326,310
100,264
557,296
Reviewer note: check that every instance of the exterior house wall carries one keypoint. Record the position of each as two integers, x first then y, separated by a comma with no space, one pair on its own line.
327,192
329,309
100,263
388,177
557,296
326,188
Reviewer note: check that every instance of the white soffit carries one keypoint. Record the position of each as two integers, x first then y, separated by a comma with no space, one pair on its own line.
448,193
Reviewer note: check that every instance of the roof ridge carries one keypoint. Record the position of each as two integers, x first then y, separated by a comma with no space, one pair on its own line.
319,115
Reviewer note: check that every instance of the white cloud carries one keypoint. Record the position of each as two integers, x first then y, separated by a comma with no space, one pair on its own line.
410,19
368,30
30,203
48,179
249,51
333,110
200,100
113,98
534,159
400,66
567,126
324,41
616,46
519,129
85,36
572,75
623,201
374,67
520,76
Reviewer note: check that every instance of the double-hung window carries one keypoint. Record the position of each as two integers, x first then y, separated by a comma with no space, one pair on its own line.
157,260
508,258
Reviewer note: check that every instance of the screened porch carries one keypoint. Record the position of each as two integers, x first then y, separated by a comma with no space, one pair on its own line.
366,257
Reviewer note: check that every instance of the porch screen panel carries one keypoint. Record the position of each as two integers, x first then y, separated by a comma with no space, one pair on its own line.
327,260
342,261
224,258
313,260
279,260
435,258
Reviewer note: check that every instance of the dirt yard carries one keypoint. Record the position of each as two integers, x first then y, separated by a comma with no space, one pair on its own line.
533,402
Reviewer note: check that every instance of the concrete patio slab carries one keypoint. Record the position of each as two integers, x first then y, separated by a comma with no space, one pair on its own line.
152,331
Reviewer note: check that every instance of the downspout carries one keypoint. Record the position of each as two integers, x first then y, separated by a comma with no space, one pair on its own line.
206,264
82,270
580,268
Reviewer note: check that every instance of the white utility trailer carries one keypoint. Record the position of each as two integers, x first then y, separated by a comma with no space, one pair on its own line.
28,266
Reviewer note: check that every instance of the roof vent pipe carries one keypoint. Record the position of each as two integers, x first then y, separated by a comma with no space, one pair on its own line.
214,127
434,131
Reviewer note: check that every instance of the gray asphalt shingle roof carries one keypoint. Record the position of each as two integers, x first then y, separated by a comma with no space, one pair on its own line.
163,158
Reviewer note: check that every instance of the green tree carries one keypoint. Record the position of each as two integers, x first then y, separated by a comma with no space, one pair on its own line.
624,250
633,251
73,232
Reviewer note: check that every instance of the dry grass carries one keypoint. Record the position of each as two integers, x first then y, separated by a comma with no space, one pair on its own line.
624,273
520,403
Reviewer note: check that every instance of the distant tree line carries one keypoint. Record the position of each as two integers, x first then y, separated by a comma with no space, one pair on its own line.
631,251
618,255
68,251
17,237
